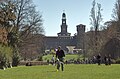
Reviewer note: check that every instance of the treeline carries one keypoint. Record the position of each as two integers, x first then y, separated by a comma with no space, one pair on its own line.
21,24
104,39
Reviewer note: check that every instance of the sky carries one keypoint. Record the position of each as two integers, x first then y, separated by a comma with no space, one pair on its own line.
77,12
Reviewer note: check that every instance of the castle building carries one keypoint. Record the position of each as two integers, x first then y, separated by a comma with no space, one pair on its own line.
64,39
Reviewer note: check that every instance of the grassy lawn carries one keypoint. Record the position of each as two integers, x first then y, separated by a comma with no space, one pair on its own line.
67,57
71,72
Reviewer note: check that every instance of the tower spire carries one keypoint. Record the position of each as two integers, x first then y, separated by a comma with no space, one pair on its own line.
64,26
63,15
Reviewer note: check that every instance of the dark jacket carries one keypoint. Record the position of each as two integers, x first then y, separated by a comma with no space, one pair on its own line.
60,54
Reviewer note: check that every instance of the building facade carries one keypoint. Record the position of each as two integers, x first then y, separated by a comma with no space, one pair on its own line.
64,38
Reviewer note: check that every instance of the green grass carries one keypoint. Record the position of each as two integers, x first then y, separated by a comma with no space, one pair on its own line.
71,72
67,57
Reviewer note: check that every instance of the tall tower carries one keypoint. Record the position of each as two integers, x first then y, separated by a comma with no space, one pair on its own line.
64,27
80,36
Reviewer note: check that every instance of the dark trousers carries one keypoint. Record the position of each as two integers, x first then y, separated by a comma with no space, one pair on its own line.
99,61
60,63
109,62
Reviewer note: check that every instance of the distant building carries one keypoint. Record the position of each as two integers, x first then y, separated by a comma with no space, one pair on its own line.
64,39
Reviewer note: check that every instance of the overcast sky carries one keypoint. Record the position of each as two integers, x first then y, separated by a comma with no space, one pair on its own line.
77,12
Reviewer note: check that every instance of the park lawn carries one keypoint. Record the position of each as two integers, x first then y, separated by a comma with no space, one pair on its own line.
67,57
72,71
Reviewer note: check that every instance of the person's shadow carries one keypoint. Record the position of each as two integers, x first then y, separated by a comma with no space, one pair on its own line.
52,71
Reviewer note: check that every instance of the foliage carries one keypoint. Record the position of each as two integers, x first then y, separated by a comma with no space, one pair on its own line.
32,48
13,39
7,15
112,34
29,24
15,58
5,56
8,18
40,58
21,21
118,61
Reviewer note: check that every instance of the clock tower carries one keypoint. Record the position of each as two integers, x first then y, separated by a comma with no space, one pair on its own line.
64,26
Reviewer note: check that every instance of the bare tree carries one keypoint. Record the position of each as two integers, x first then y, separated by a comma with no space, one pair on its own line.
28,20
116,13
22,22
96,19
28,24
112,45
116,18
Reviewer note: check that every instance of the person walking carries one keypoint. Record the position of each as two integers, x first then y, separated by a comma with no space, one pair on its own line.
109,59
99,59
53,60
106,60
59,55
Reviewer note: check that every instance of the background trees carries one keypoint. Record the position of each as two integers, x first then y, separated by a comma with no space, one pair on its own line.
93,44
112,45
7,18
22,23
106,40
29,24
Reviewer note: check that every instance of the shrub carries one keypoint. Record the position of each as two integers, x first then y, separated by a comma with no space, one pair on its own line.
5,56
118,61
40,58
15,58
7,51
